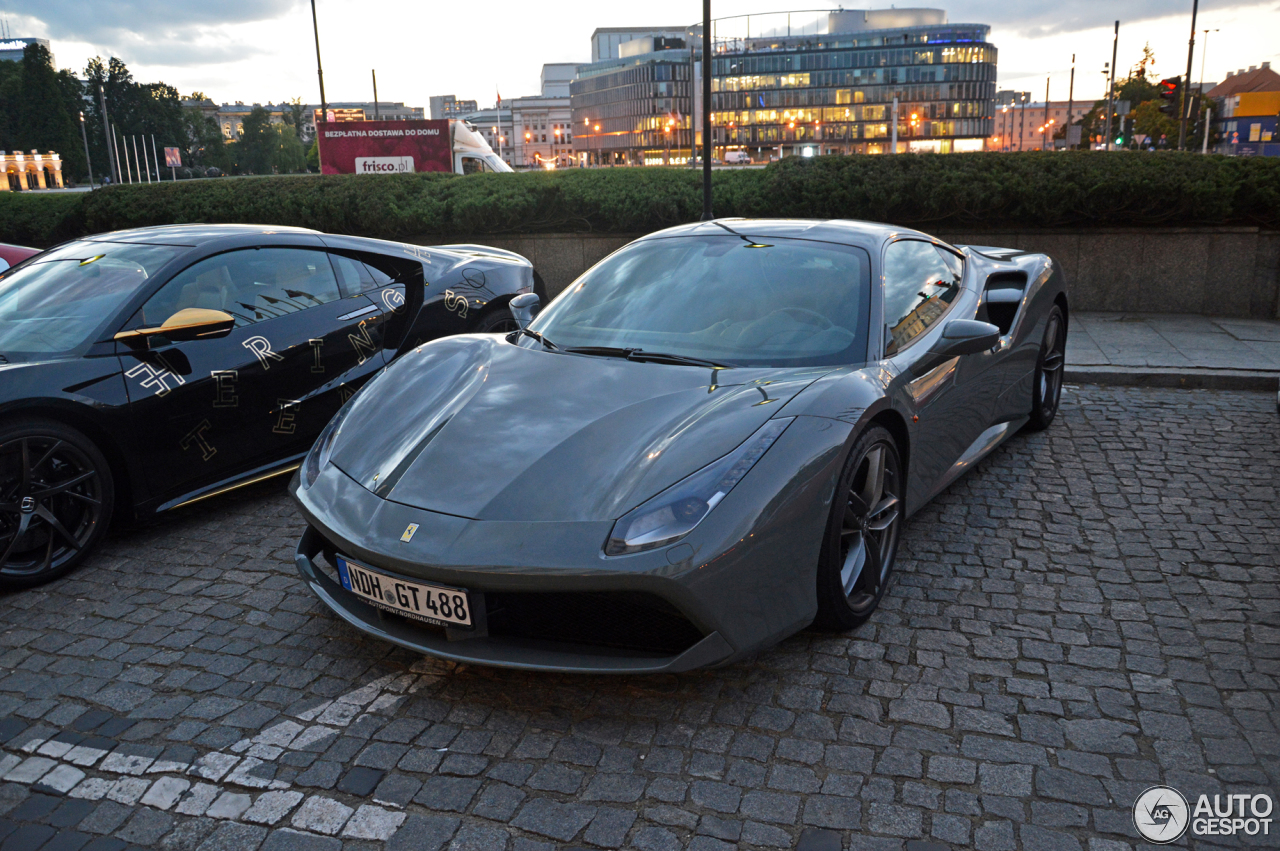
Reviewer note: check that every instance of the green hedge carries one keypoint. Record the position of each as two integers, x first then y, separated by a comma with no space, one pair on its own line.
970,191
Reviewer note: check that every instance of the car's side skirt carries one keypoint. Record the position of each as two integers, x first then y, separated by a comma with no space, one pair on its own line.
261,474
979,449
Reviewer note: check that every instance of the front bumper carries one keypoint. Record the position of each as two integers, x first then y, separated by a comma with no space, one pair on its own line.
485,649
743,579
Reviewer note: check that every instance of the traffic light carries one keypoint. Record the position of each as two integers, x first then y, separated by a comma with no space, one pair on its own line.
1170,95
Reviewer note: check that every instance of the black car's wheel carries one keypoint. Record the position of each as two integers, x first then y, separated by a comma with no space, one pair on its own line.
1047,391
498,321
56,497
862,535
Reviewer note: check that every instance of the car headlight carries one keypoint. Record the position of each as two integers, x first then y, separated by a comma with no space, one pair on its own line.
675,512
318,458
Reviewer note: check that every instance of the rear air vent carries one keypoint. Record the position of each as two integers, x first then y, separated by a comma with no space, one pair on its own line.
1002,297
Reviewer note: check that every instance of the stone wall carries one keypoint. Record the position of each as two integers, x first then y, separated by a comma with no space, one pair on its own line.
1229,271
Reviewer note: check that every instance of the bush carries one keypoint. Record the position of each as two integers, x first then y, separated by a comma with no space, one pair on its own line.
29,218
972,191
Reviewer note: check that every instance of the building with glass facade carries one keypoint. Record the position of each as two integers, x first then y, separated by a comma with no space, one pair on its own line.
634,109
833,92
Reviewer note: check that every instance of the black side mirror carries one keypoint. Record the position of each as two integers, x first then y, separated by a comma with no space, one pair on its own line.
959,337
522,308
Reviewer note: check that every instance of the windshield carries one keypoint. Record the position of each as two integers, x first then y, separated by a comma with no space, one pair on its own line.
58,303
729,299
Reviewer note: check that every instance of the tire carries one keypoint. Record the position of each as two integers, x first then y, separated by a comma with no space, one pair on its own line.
1046,389
56,500
862,535
499,321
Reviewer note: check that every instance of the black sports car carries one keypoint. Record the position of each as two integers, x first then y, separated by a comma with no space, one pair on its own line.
147,369
708,441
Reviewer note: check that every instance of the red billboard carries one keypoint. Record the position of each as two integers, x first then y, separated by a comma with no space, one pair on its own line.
384,147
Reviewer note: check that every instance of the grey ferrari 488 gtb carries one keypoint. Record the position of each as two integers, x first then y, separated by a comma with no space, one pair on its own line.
709,441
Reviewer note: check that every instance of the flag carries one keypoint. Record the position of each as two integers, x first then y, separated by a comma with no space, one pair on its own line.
499,99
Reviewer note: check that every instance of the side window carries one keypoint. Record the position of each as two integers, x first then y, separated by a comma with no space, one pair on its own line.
253,285
356,276
919,286
474,165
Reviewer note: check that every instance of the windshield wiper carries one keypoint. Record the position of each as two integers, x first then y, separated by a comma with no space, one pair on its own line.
642,355
550,346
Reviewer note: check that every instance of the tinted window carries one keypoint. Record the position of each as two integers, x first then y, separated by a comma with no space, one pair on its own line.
63,302
771,302
253,285
356,277
919,286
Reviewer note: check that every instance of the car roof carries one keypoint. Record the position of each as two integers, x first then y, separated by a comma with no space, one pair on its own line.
845,231
193,234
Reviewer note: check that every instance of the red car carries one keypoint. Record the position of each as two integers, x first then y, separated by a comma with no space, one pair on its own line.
12,255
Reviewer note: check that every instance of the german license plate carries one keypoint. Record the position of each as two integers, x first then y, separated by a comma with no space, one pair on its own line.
434,604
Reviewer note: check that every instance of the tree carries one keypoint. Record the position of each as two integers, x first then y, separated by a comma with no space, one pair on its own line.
133,109
313,156
295,115
1150,121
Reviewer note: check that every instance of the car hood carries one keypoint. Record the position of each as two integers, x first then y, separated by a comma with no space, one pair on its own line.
476,427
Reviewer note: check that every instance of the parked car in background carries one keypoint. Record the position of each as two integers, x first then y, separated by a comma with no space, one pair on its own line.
144,370
707,442
737,158
12,255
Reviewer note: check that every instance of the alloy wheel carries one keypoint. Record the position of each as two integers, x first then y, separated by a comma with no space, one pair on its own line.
869,529
1052,364
51,502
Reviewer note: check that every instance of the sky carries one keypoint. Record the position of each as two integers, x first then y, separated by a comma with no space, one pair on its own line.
263,50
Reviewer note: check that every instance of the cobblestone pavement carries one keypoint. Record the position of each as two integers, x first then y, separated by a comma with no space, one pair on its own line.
1093,611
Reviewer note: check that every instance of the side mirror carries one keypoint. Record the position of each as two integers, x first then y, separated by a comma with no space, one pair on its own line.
522,308
959,337
192,323
966,337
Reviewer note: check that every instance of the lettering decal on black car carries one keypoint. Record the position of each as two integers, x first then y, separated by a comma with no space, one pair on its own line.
287,413
345,393
363,344
394,300
225,386
156,377
196,436
318,366
261,348
456,303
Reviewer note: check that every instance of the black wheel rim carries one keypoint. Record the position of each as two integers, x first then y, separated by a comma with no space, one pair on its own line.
1052,363
50,504
869,529
503,326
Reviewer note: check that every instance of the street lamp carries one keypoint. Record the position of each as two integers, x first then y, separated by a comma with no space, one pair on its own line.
88,161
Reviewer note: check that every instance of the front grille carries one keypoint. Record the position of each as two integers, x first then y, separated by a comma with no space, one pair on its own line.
633,621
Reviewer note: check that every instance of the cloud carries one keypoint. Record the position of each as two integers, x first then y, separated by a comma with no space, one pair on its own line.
1040,18
158,32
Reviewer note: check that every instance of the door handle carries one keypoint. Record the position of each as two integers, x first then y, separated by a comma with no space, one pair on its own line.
361,312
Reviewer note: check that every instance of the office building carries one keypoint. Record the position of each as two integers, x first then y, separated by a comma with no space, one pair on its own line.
541,124
785,85
833,90
1023,124
606,41
633,107
11,49
1246,112
448,106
